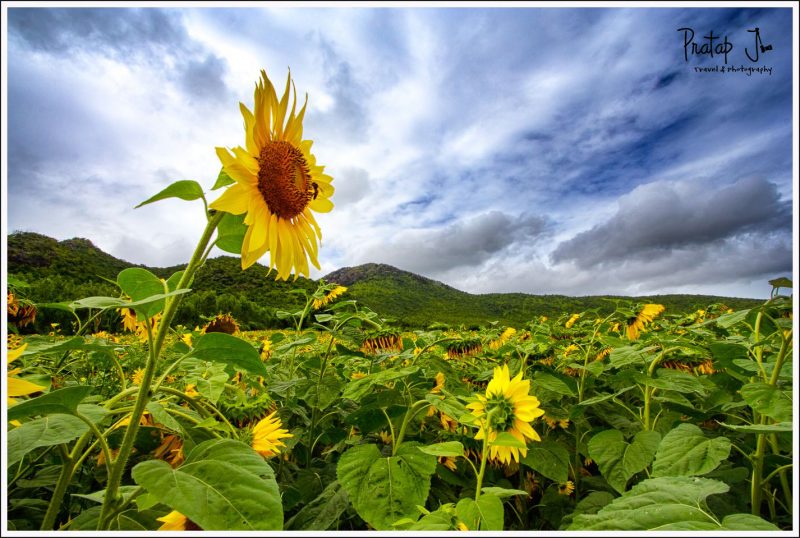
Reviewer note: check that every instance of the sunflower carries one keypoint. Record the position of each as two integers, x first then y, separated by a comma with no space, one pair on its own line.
175,521
277,184
17,386
637,323
572,321
511,409
503,338
567,488
267,435
334,294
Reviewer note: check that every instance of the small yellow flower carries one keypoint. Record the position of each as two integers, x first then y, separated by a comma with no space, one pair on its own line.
503,338
462,526
572,321
386,439
566,489
137,376
174,521
513,410
439,383
187,339
448,462
267,435
358,375
266,349
191,391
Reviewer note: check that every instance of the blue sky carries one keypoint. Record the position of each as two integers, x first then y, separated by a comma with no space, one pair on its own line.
541,150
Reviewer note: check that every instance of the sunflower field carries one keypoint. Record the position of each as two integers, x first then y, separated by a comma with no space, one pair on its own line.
640,419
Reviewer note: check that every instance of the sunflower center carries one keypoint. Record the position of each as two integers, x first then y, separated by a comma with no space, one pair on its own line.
284,179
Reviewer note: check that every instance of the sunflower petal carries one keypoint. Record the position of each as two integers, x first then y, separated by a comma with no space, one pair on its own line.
234,200
235,169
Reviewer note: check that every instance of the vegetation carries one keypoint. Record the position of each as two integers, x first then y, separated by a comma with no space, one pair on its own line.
57,271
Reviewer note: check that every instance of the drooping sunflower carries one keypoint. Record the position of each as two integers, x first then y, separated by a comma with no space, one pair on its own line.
267,435
278,184
511,409
645,316
334,294
175,521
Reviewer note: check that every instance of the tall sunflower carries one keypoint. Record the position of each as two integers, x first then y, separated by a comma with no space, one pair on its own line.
277,184
511,409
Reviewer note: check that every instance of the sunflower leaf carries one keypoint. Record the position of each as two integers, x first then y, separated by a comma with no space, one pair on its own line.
185,189
685,451
44,431
223,180
141,284
64,400
221,347
384,490
485,514
222,485
230,233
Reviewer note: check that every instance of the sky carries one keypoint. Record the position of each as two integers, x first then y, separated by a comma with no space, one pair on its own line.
538,150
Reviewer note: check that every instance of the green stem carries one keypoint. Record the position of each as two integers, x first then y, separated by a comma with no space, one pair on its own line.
100,439
111,499
64,478
484,453
410,414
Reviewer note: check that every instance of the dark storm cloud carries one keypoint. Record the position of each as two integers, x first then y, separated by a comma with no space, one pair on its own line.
128,35
469,242
659,217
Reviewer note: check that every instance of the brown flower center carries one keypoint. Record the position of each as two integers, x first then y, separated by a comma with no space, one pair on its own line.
284,179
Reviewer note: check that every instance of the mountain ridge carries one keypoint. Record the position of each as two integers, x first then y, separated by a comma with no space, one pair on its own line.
409,299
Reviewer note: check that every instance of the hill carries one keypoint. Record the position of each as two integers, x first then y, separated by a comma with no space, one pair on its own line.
75,268
417,301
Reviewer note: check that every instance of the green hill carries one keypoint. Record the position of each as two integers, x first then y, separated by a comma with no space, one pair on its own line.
414,300
71,269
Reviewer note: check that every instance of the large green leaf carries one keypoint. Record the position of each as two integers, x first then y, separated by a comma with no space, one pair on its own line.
221,347
618,460
323,512
664,503
452,449
141,284
768,400
685,451
485,514
127,520
779,427
222,485
355,390
45,431
384,490
668,379
185,189
623,356
550,382
64,400
549,459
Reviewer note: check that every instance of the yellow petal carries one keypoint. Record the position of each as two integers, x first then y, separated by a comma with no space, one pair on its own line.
234,200
235,169
249,125
273,240
20,387
321,205
249,162
284,261
14,354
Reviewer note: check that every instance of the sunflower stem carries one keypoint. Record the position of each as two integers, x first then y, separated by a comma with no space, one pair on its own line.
410,414
112,498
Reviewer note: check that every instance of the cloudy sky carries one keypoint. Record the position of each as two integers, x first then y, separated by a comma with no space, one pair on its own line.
557,150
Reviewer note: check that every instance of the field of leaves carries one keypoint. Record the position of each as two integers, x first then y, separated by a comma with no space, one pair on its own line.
643,420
